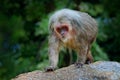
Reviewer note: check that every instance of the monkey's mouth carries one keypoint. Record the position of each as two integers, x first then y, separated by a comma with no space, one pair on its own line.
63,30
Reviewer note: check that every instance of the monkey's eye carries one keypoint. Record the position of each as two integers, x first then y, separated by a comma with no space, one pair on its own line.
62,30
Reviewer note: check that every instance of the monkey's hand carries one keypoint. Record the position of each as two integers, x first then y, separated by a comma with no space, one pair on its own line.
78,64
88,62
49,69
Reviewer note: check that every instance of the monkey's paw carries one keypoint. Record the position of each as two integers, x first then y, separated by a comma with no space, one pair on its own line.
78,64
88,62
49,69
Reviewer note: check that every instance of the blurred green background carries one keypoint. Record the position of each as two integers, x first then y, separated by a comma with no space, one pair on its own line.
24,33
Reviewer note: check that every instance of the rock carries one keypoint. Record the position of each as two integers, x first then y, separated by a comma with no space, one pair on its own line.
101,70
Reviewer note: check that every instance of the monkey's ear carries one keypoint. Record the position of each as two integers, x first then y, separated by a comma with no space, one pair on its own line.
50,29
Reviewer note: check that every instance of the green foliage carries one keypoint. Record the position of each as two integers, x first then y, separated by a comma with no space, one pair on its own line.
24,33
94,10
42,29
99,53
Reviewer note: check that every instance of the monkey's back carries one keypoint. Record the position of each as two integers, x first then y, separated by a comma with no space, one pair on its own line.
83,23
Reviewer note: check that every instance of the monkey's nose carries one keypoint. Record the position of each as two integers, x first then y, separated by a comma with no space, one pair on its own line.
62,33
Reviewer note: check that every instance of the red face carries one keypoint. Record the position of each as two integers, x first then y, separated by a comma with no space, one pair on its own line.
62,30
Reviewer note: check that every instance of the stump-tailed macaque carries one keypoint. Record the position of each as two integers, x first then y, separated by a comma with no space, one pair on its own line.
73,29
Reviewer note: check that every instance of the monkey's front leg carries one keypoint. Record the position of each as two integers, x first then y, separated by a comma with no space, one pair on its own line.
53,53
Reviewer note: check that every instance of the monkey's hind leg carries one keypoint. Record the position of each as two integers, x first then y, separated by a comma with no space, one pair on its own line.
81,57
89,58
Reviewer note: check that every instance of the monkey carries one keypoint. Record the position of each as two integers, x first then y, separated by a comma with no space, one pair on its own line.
72,29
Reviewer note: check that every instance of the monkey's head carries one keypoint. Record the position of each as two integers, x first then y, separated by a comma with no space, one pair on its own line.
64,31
61,25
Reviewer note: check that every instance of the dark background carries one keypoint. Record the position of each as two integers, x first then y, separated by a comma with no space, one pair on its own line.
24,33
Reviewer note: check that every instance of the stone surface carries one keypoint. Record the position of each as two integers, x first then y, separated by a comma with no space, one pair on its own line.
101,70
